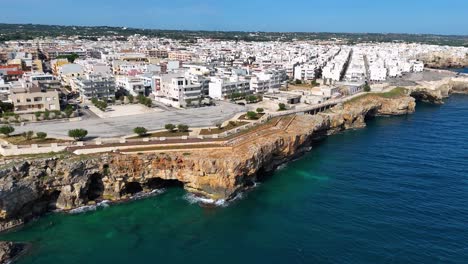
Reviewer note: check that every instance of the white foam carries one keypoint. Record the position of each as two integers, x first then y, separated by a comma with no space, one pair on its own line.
193,199
88,208
142,195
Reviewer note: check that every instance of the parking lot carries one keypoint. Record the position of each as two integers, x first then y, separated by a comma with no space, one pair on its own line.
123,110
123,125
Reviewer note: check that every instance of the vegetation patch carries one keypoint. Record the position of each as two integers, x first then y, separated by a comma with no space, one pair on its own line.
231,125
25,140
395,93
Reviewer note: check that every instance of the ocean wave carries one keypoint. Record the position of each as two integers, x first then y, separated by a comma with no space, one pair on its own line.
88,208
143,195
194,199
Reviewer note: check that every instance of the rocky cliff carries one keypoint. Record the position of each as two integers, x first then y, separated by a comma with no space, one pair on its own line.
9,251
31,187
436,91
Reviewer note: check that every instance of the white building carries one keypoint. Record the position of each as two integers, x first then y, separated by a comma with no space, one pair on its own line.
177,90
221,88
133,85
305,72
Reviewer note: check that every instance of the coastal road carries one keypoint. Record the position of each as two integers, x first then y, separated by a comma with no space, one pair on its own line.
120,126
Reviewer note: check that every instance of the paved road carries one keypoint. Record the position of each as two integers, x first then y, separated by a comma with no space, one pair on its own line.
120,126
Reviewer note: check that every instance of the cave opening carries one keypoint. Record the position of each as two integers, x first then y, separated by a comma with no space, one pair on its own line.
131,188
370,115
95,187
159,183
46,203
51,200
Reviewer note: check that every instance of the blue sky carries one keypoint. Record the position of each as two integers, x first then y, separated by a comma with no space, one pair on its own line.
396,16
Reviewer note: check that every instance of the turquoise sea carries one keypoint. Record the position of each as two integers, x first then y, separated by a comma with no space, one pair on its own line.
394,192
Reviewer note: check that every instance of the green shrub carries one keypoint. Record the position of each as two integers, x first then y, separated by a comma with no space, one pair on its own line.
170,127
183,128
251,115
28,135
77,134
281,107
41,135
141,131
7,130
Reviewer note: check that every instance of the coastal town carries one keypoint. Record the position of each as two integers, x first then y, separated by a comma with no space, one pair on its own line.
88,122
108,94
233,131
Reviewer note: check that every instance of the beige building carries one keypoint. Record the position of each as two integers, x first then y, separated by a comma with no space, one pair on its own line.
30,100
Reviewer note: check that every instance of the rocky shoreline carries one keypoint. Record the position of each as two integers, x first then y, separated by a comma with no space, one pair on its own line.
9,251
30,187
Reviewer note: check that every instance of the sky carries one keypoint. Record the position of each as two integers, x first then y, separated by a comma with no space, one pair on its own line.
377,16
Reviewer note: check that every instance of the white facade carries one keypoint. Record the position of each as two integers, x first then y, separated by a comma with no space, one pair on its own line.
220,88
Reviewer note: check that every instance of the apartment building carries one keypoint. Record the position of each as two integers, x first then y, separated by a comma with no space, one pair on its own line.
221,88
30,100
94,86
178,89
133,85
305,72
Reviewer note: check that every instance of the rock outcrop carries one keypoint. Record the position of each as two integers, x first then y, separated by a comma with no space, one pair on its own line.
436,91
9,251
31,187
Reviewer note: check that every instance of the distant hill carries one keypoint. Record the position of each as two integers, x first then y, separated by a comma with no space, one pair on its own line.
31,31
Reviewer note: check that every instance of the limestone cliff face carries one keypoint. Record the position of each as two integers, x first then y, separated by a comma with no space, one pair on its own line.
435,92
31,187
442,60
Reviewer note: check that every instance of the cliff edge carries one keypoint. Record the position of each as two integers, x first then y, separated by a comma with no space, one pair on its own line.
30,187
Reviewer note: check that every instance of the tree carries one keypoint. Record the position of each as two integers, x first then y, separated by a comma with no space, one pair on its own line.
260,110
28,135
7,130
314,83
251,99
141,131
68,110
77,134
367,88
71,58
183,128
6,107
170,127
46,114
130,98
251,115
41,135
298,81
281,107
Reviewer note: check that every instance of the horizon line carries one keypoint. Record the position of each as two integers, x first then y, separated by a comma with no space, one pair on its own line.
243,31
